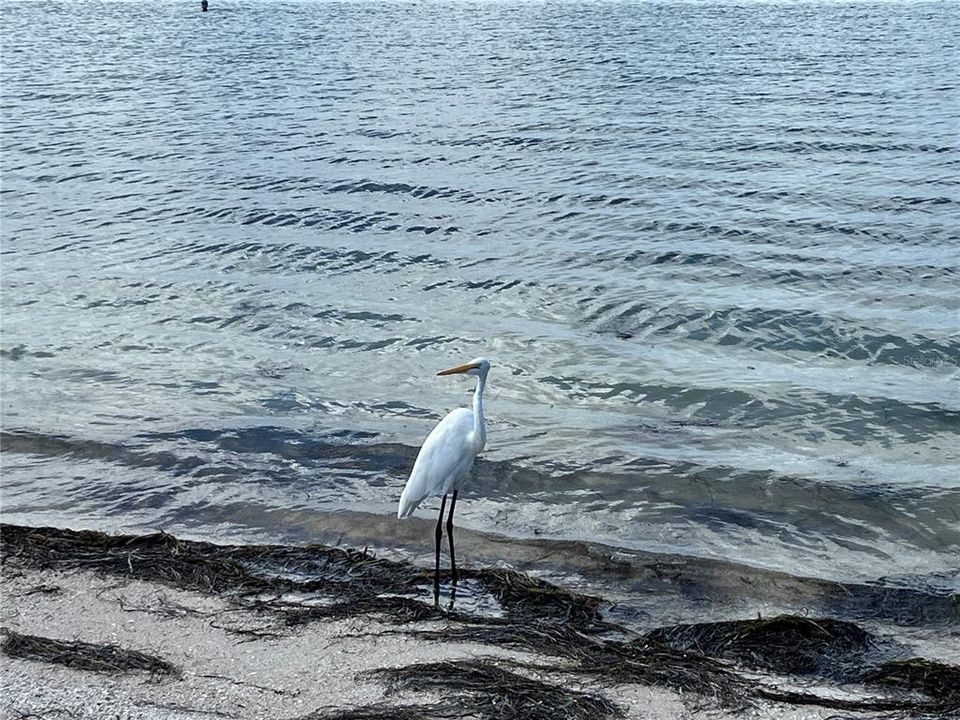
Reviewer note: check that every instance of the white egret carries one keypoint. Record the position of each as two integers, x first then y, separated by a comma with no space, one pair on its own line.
445,460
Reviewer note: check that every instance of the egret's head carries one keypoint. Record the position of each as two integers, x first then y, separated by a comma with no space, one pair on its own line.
477,367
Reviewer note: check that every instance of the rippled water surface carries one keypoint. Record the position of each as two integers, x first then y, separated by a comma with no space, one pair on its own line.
713,251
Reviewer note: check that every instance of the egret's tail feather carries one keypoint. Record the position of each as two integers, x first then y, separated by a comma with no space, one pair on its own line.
407,507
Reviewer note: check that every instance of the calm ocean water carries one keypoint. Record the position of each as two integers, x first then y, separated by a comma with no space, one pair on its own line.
713,250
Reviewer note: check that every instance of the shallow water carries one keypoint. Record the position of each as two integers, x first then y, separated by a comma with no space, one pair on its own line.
713,251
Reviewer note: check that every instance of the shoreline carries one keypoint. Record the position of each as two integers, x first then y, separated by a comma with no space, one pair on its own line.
696,585
296,632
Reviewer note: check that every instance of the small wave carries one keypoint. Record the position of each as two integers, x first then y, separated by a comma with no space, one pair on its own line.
29,443
805,147
852,418
788,331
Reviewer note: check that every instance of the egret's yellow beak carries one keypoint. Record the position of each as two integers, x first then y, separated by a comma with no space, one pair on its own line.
459,369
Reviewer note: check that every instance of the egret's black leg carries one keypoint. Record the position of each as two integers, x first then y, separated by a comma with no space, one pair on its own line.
453,560
439,535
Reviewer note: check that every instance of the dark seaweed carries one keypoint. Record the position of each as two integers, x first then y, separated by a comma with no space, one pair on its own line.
939,682
243,569
524,597
379,712
83,655
490,692
784,644
612,661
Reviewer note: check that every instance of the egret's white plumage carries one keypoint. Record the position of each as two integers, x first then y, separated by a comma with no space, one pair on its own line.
448,452
446,457
444,460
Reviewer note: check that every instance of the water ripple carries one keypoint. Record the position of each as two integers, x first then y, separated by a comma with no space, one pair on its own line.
711,248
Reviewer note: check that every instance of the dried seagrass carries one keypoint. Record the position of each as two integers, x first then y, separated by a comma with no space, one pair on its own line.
83,655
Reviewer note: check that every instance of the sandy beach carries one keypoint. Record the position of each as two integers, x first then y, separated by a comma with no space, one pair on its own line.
288,656
224,675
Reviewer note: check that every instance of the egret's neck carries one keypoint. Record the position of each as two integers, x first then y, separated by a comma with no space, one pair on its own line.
479,429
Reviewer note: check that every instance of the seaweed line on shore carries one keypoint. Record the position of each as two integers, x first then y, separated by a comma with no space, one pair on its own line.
566,630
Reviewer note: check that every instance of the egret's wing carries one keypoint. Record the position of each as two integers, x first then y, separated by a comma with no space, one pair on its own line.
444,459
